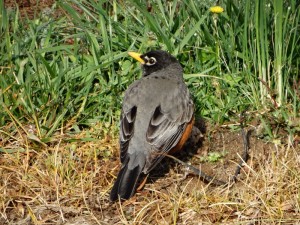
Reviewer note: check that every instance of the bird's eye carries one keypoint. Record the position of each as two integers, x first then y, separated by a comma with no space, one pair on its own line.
151,61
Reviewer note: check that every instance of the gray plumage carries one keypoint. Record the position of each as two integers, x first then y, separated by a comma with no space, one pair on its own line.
156,110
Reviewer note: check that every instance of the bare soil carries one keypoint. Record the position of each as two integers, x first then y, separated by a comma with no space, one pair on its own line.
31,8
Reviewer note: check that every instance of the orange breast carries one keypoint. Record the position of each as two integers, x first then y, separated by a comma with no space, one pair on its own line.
186,134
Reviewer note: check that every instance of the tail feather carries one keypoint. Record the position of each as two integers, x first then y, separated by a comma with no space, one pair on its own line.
126,182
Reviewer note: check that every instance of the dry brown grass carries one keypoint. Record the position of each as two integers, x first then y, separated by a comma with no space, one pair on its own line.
68,182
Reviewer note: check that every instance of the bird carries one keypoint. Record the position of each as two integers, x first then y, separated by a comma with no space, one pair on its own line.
157,117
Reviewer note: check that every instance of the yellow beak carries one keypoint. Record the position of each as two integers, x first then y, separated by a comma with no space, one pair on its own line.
136,56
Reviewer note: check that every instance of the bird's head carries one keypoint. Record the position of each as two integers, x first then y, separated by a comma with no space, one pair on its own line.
154,60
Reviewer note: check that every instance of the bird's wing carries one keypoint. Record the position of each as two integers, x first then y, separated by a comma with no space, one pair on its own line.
126,130
166,128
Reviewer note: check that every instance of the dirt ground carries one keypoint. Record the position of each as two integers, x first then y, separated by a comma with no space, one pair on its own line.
30,8
29,5
40,187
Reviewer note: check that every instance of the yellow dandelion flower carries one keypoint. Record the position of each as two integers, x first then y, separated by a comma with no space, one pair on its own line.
216,9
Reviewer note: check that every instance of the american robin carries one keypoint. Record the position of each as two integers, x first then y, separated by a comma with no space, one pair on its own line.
157,118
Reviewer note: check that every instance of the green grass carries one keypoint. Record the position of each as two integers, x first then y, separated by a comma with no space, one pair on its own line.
70,71
62,79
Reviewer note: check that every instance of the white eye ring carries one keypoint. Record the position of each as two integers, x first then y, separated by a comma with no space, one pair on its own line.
150,61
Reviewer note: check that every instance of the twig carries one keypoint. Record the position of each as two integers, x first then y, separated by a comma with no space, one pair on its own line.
245,155
201,174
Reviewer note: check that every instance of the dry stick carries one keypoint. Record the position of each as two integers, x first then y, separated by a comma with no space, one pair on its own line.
245,154
212,179
198,172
